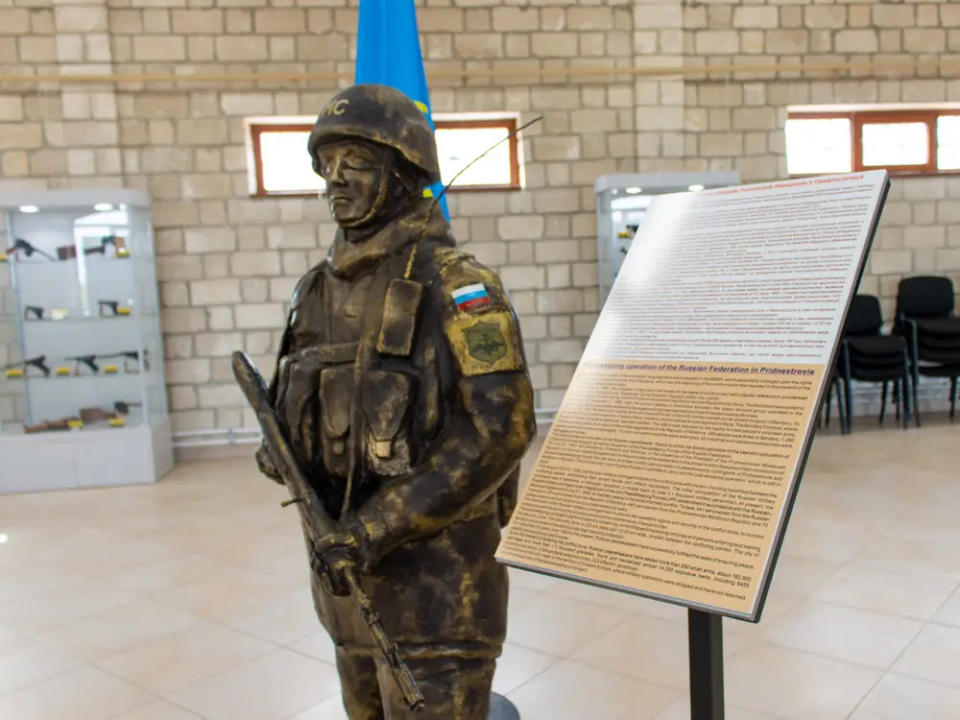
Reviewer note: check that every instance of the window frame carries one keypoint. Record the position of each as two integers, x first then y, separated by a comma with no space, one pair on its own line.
256,130
859,118
510,122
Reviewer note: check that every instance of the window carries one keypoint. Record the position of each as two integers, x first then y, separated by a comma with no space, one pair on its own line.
280,166
904,140
460,141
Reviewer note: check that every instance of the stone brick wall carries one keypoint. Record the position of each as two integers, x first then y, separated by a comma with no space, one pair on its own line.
227,263
738,124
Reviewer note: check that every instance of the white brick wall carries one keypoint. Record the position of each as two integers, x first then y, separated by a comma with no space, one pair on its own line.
227,263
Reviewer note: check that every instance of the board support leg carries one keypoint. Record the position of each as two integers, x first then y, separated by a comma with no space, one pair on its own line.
706,665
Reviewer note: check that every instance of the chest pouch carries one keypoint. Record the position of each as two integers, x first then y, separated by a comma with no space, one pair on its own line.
336,391
387,398
401,311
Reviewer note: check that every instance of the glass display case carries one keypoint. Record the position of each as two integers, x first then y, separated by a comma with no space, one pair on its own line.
622,201
82,397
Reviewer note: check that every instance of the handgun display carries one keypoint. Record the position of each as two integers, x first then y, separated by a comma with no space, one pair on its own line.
112,308
119,246
127,355
66,423
114,416
66,252
95,414
89,360
28,249
39,362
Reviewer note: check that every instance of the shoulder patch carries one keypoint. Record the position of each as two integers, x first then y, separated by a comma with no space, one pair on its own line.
468,285
471,296
485,343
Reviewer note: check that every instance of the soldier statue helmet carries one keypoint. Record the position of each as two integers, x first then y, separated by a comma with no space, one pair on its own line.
402,384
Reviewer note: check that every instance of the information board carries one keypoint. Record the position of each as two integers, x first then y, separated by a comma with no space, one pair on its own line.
672,464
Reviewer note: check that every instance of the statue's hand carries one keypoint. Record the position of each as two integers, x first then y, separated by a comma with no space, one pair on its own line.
266,464
340,554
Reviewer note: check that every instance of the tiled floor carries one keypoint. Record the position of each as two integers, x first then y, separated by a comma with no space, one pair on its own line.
188,600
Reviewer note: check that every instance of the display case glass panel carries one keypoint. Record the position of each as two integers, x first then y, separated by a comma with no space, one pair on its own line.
622,202
80,341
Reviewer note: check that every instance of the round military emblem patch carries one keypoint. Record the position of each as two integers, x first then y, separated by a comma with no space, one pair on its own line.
485,342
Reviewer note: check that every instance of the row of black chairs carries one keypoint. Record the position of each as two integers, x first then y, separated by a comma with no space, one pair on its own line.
925,340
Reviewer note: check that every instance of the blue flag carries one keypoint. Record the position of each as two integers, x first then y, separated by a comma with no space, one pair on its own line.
388,53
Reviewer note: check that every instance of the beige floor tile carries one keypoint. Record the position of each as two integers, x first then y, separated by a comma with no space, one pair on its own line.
212,539
558,625
182,658
647,648
206,533
25,661
318,646
795,685
282,621
50,546
800,575
159,710
277,685
844,633
915,596
932,524
777,605
81,694
603,596
32,578
900,698
169,574
949,612
117,630
329,709
227,593
680,710
518,595
532,581
662,610
934,655
809,536
518,665
44,611
910,557
573,691
116,554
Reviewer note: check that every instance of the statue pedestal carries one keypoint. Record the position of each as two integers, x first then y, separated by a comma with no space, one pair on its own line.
502,709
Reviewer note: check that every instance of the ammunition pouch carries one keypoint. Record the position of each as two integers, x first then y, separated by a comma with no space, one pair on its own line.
336,392
299,395
386,397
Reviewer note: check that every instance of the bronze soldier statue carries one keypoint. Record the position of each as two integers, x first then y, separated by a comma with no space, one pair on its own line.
402,386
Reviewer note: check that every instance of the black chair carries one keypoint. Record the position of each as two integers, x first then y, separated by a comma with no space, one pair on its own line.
869,356
834,386
925,318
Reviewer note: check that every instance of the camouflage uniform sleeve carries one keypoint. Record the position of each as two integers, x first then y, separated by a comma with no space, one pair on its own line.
488,431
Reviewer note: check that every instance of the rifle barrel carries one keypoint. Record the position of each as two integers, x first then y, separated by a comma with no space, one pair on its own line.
315,517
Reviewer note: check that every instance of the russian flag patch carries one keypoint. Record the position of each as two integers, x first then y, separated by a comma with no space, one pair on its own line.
471,296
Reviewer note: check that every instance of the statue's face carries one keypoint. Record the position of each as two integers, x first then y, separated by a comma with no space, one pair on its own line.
354,171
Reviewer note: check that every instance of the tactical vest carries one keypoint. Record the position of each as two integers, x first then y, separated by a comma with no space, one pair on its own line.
383,395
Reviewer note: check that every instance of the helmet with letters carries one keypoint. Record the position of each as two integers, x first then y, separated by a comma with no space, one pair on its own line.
383,115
